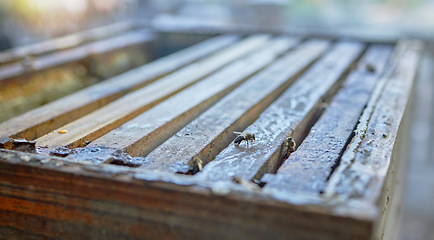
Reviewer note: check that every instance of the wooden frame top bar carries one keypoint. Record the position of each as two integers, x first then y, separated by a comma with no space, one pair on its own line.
131,105
40,121
38,63
66,42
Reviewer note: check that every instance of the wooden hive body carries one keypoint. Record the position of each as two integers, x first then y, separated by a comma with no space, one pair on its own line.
149,153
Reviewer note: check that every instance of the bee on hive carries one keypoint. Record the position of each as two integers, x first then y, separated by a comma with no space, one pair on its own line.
244,137
290,145
195,165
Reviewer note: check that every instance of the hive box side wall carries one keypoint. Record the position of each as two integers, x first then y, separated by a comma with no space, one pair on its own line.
56,199
391,199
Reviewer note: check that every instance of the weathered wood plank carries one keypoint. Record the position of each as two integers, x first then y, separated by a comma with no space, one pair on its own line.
42,120
378,180
56,199
170,116
65,42
10,75
113,115
293,110
389,224
104,64
212,131
365,164
93,48
34,64
36,81
308,168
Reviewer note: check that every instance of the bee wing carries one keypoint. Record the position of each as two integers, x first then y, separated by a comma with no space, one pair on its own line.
239,133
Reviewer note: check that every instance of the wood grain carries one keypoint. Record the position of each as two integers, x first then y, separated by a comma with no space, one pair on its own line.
308,168
167,118
293,110
51,198
211,132
40,121
257,91
32,64
38,80
66,42
366,162
113,115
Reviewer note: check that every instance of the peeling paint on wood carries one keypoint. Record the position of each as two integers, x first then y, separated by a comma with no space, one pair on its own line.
21,145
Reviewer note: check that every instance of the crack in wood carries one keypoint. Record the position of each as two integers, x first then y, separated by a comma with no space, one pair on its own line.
274,125
365,162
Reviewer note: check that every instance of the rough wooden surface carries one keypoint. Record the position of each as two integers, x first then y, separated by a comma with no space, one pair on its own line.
372,163
65,42
308,168
391,199
40,121
37,80
365,162
42,79
418,215
113,115
170,116
291,111
72,197
51,198
34,64
211,132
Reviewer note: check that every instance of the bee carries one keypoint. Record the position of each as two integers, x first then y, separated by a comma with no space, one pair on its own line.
195,165
370,68
244,137
290,145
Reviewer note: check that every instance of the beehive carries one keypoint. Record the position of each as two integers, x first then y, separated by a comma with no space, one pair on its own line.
149,153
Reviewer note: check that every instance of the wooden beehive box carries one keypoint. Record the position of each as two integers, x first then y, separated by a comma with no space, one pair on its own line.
149,154
33,75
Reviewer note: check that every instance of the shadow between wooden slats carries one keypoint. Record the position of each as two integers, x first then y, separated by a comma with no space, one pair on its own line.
308,168
37,80
167,118
85,201
42,120
370,164
292,112
66,42
207,135
113,115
